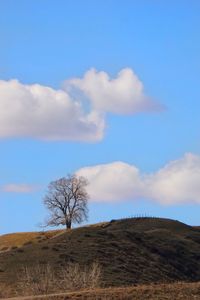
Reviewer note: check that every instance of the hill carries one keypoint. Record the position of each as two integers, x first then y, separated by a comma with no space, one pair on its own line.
130,251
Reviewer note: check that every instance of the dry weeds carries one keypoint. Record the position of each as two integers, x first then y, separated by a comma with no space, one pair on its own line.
43,280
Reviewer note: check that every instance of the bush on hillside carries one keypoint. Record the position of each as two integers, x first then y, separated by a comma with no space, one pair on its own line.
43,279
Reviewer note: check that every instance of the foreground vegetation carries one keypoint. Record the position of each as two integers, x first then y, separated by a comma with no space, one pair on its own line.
176,291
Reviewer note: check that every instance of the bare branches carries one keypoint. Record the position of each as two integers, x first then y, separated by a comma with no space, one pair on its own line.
66,200
39,280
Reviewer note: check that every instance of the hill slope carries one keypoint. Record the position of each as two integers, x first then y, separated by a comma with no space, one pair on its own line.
130,251
16,240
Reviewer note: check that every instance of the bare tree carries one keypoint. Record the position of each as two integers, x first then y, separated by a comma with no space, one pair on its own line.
66,199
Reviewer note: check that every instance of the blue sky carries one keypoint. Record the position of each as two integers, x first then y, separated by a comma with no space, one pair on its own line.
49,42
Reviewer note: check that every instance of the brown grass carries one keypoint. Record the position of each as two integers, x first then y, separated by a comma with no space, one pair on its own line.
17,240
12,240
176,291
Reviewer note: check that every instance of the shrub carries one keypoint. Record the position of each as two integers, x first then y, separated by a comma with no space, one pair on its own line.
20,250
43,279
4,249
45,247
76,277
37,280
28,243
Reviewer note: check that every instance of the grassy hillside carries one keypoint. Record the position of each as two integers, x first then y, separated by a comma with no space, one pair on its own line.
16,240
130,251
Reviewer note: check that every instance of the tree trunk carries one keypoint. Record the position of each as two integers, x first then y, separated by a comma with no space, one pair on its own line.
68,225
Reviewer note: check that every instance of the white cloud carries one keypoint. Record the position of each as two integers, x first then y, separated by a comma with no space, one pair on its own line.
121,95
112,182
42,112
178,182
18,188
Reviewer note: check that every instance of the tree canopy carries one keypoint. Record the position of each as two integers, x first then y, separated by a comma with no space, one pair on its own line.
66,200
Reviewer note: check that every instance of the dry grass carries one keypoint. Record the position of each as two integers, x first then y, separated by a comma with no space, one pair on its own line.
17,240
176,291
5,291
10,241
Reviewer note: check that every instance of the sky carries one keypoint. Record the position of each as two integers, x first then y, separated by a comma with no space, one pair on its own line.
108,90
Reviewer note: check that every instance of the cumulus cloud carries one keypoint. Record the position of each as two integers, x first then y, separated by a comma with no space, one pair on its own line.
177,182
121,95
77,112
18,188
112,182
42,112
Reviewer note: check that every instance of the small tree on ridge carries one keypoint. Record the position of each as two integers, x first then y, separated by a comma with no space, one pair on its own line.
66,200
